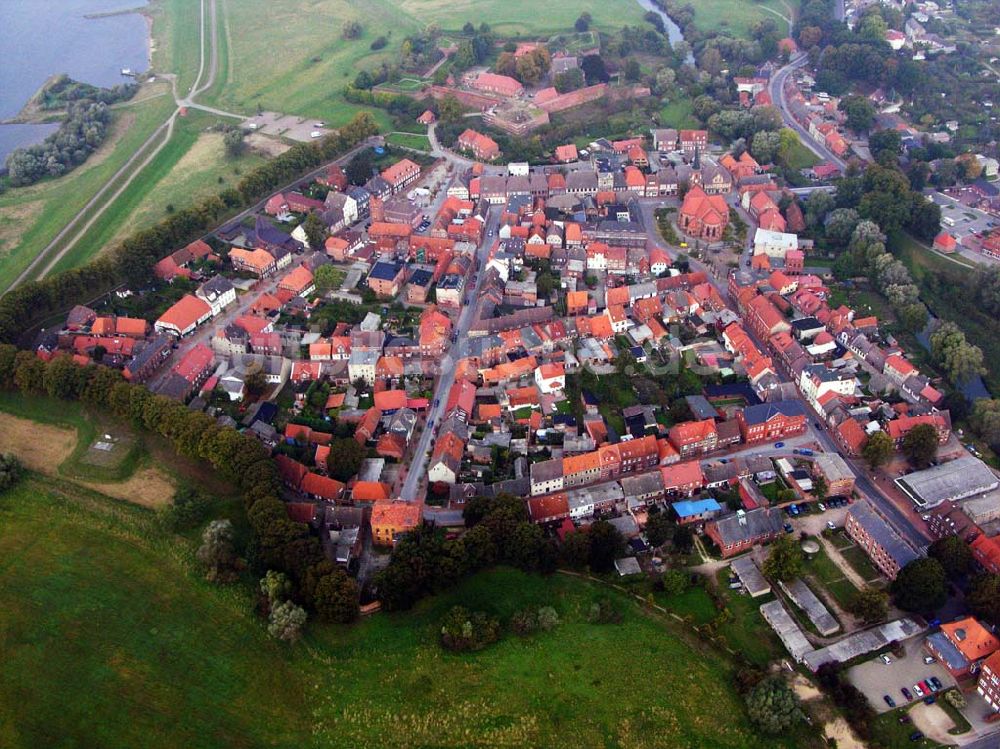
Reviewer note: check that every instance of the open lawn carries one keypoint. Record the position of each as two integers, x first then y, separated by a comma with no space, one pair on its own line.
188,168
31,216
111,640
678,114
743,629
801,157
308,63
860,562
737,16
409,140
110,635
831,579
61,439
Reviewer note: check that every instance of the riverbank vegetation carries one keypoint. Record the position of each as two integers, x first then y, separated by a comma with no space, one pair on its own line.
83,130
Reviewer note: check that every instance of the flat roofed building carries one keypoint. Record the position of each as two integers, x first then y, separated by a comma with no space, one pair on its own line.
957,479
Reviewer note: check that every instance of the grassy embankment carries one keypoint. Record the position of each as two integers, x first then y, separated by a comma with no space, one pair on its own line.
31,216
191,166
737,16
110,635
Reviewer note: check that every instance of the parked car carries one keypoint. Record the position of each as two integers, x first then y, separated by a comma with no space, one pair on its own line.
925,686
788,528
916,736
779,445
906,693
889,700
830,525
936,683
885,658
929,659
930,699
806,452
918,691
930,684
821,506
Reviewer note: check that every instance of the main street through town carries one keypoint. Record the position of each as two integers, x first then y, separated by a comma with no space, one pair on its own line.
416,471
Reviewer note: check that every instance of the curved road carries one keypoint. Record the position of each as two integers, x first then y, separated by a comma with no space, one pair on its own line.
776,87
74,230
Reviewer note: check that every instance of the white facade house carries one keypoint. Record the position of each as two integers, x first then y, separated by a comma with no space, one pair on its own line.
774,243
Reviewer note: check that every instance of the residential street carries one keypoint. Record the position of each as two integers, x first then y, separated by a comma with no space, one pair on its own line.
417,469
898,511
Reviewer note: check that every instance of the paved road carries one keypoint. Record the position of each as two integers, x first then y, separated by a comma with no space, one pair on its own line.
904,523
70,235
74,230
777,90
416,471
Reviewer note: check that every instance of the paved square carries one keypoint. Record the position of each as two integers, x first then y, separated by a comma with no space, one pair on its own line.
876,678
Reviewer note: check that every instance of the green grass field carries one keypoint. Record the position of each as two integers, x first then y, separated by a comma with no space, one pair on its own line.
832,579
31,216
801,158
305,72
409,140
678,114
188,168
737,16
112,638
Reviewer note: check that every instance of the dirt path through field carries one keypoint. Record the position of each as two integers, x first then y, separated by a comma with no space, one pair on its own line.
43,448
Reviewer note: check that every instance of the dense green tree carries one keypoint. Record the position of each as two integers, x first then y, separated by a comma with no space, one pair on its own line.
659,528
985,419
10,471
921,586
346,457
316,231
954,555
675,582
877,450
286,622
594,70
217,552
772,706
920,445
983,597
784,560
575,550
606,545
464,630
871,605
335,596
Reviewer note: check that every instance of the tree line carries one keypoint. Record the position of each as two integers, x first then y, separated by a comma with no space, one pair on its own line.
276,543
426,561
132,260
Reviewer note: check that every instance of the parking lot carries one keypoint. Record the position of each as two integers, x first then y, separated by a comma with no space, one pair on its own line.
877,679
286,126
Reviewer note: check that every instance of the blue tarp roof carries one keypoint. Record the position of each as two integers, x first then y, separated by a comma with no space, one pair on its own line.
687,508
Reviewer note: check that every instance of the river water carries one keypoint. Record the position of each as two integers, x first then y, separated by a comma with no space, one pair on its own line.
674,33
39,38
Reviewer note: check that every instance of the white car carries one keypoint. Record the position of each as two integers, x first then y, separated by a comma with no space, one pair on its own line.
885,659
917,690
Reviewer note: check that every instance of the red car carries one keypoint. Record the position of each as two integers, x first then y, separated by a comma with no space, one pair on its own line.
926,687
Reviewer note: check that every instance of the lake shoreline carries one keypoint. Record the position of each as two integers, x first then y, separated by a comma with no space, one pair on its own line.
99,69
